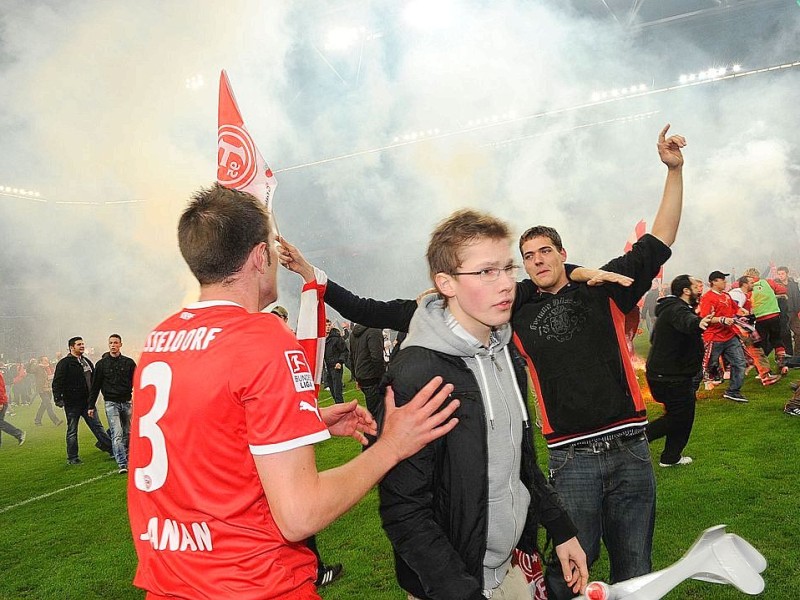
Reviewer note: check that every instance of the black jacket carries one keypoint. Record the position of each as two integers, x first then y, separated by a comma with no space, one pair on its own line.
113,377
585,381
69,383
435,503
366,352
793,293
676,352
335,349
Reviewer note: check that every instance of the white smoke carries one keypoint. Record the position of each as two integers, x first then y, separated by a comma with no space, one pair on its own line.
96,109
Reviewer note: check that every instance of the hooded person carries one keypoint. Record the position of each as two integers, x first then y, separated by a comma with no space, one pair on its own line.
455,511
675,367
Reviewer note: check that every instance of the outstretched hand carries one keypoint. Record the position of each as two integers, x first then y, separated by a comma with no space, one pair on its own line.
669,148
600,277
291,258
349,419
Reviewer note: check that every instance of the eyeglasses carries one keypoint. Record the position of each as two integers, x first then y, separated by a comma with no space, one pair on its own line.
491,274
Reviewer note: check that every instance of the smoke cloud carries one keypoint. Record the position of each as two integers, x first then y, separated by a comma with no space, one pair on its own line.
487,105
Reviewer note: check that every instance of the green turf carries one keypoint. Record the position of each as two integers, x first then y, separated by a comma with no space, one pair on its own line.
76,543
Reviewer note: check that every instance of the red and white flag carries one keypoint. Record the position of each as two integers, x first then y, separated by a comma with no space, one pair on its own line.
240,165
638,231
311,324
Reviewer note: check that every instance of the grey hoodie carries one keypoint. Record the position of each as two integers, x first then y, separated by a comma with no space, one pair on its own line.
434,327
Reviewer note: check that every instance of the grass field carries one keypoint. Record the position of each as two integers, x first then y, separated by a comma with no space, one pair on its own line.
64,530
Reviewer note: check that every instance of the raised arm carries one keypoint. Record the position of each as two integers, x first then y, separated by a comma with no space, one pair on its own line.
668,217
392,314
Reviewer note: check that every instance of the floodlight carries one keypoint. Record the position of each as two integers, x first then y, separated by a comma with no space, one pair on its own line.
342,38
428,14
737,68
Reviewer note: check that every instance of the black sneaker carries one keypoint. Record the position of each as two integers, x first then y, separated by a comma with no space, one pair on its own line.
793,411
74,461
328,574
21,438
123,470
735,396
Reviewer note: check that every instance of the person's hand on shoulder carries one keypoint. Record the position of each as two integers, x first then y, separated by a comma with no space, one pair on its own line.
411,427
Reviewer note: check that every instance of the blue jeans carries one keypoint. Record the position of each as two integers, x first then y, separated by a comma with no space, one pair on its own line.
74,415
610,494
733,353
119,421
6,426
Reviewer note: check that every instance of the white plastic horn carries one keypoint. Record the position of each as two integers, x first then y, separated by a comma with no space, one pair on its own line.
716,557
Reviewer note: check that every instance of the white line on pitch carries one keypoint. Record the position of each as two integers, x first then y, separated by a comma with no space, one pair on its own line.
47,495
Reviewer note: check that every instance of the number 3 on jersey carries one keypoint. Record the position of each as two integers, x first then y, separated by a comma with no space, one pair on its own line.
153,475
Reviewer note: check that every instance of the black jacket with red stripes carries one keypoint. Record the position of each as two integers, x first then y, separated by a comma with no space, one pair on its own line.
577,354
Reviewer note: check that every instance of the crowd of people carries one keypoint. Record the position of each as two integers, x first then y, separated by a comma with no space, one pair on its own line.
74,384
225,496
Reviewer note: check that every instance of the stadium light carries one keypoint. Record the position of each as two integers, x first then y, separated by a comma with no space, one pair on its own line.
341,38
428,14
18,192
195,82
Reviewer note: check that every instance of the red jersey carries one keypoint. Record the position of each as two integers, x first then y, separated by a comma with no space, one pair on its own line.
723,306
215,385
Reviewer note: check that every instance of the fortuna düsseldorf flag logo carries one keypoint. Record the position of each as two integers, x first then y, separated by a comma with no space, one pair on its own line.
239,163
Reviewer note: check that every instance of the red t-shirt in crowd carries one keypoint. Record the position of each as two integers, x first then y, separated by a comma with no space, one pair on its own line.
723,306
216,385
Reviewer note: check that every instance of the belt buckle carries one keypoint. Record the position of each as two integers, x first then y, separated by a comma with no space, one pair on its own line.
600,446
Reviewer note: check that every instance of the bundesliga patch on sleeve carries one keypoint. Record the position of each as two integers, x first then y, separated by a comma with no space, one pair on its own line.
301,373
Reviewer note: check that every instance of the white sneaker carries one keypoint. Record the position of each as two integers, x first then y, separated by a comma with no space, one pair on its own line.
684,460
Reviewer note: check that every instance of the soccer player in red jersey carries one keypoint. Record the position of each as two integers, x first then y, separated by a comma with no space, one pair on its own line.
224,487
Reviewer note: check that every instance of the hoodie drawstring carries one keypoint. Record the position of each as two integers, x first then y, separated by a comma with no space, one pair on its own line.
517,393
486,387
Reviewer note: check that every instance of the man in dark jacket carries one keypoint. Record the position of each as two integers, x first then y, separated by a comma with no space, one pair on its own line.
674,367
366,355
455,511
793,308
335,357
72,382
114,377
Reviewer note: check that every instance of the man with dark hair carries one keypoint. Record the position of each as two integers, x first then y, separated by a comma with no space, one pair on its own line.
594,419
72,382
793,309
675,367
366,353
720,336
335,357
224,488
113,376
